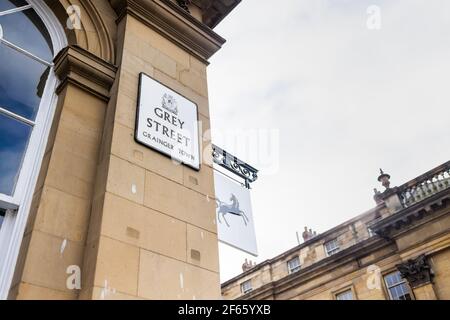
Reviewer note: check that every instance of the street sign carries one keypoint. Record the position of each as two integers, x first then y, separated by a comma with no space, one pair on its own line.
167,122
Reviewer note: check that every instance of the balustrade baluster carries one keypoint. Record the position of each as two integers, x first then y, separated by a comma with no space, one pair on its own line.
430,184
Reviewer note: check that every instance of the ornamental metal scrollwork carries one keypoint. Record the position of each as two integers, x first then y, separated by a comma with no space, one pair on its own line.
234,165
417,271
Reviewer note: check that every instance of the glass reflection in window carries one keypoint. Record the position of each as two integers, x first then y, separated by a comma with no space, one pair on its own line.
21,88
26,53
346,295
26,30
396,285
11,4
14,136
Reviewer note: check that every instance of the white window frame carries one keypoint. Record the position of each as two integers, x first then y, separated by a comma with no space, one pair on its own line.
345,292
18,206
249,289
403,281
296,268
334,250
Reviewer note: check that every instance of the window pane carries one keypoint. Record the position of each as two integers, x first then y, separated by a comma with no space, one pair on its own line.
395,293
406,296
26,30
393,279
294,265
21,88
246,286
403,292
347,295
397,277
2,216
14,137
389,281
11,4
332,247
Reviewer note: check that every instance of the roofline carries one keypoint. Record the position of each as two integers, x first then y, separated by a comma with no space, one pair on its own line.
303,245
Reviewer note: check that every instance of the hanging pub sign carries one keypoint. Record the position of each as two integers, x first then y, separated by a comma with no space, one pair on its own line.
234,216
167,122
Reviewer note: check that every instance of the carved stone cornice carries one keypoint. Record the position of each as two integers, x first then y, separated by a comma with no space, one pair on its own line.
413,216
85,70
214,11
349,256
417,271
174,23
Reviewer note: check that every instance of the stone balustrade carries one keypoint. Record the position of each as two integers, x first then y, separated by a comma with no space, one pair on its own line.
425,185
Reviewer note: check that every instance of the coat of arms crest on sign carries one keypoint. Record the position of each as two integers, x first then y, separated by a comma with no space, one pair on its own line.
169,103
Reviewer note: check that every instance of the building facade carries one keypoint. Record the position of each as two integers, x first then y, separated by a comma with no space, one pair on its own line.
85,211
399,250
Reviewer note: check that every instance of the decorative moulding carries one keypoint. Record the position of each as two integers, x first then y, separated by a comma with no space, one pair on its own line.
214,11
85,70
173,22
417,271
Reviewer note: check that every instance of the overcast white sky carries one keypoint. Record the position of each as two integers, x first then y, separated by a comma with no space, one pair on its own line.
346,100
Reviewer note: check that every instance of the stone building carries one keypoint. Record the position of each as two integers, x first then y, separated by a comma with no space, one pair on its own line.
398,250
85,211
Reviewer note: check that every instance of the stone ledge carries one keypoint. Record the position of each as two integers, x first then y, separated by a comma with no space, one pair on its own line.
85,70
349,255
412,217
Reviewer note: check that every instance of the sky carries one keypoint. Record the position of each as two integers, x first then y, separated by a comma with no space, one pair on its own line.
321,94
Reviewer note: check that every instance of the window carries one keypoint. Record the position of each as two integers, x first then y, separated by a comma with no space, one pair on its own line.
24,42
332,247
246,287
30,37
397,287
346,295
294,265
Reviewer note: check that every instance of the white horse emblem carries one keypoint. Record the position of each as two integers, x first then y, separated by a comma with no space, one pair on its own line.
233,208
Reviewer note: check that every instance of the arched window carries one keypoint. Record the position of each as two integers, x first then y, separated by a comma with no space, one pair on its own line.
30,37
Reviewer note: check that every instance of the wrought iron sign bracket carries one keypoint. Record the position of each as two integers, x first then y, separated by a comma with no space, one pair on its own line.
234,165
